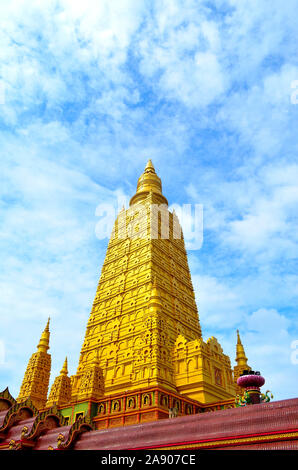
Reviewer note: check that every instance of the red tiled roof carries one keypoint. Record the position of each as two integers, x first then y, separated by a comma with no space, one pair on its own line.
267,418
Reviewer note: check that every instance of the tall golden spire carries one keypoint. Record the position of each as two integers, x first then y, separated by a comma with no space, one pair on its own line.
149,182
37,376
241,359
60,393
64,370
136,318
44,342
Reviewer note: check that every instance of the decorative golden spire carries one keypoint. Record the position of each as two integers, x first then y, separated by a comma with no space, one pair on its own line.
44,342
37,376
64,370
241,359
149,182
60,393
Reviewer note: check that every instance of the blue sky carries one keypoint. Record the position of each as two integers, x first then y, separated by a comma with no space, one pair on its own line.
90,90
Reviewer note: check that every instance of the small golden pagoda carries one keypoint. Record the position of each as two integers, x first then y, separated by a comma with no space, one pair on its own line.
242,365
60,393
143,352
37,376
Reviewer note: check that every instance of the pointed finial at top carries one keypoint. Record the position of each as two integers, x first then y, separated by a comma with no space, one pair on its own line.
241,358
64,370
238,338
149,183
47,328
149,165
44,341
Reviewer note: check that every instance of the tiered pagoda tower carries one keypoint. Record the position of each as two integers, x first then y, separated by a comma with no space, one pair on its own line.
241,361
60,393
37,376
143,351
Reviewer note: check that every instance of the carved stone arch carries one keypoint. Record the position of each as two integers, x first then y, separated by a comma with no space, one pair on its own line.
191,365
116,406
124,319
141,290
147,399
130,275
164,401
139,314
131,402
88,357
127,296
101,409
96,330
180,342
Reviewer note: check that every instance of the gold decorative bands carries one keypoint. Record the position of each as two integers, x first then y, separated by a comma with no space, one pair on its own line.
244,440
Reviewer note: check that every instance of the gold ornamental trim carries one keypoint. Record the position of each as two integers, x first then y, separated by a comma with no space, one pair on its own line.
244,440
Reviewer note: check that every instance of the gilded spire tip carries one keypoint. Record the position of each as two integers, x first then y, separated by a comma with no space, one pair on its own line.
64,370
238,337
44,342
47,328
241,358
148,182
149,165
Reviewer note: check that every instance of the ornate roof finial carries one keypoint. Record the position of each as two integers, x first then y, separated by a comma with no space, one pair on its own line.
64,370
241,359
44,342
150,166
238,338
149,182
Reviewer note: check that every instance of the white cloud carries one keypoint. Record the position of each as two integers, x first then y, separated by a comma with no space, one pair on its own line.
219,304
180,52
